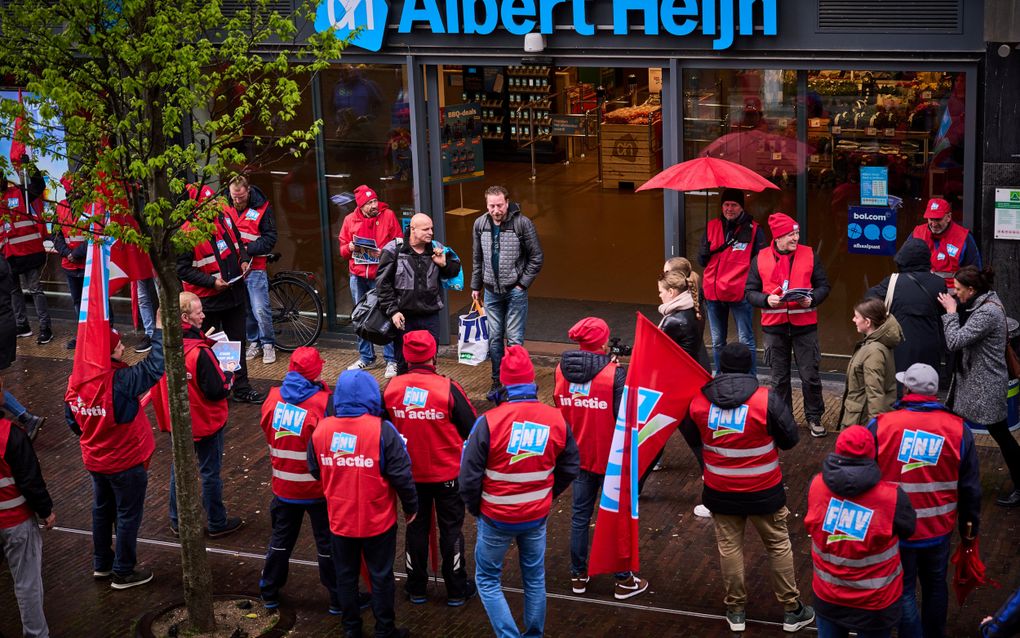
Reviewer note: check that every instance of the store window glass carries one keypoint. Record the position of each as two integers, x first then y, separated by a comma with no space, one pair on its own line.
367,131
911,124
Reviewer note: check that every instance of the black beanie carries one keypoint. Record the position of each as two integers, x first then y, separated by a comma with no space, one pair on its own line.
735,357
733,195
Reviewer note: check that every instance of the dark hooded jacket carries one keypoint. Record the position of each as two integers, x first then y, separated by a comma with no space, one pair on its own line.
518,253
409,282
729,390
915,306
849,477
356,394
581,366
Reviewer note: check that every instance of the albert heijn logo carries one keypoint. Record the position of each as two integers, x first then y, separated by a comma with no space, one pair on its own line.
919,449
350,15
727,421
579,389
288,420
527,439
846,521
415,397
343,443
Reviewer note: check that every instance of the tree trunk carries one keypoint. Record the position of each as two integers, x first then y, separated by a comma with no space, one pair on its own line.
198,588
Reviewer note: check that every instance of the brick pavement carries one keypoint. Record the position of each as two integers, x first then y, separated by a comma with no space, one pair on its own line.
678,549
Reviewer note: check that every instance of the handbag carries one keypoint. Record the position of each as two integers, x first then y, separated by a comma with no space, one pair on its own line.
371,323
473,341
1012,360
891,291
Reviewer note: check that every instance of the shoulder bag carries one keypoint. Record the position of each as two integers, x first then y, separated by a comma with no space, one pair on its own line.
891,291
1012,360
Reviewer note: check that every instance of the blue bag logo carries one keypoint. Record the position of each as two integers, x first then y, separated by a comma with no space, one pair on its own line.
251,215
415,397
580,389
348,15
527,439
919,449
288,420
728,421
343,443
846,521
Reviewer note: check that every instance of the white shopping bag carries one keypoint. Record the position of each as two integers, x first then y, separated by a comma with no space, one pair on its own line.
473,344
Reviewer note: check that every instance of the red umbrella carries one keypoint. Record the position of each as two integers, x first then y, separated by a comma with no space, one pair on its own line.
970,571
708,172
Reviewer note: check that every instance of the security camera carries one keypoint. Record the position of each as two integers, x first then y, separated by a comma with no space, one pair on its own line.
534,43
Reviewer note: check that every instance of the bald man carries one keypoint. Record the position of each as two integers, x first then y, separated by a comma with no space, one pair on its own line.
408,282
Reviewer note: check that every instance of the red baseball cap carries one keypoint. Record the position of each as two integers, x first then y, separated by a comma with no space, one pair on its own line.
937,208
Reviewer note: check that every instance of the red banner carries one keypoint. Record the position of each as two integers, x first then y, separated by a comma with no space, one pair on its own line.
89,389
661,381
127,262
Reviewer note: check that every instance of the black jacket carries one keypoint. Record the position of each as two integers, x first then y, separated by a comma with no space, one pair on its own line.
736,231
580,366
267,225
408,282
520,252
8,331
684,327
729,390
20,456
849,477
234,297
915,306
758,298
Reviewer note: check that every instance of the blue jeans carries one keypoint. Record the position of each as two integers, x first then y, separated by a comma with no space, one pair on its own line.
506,315
359,288
829,629
12,406
929,564
259,322
719,323
118,501
587,488
209,452
147,301
491,546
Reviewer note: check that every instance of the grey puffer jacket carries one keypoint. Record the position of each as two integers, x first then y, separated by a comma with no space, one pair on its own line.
520,254
978,332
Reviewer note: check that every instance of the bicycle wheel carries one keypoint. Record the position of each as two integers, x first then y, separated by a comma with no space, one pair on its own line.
297,313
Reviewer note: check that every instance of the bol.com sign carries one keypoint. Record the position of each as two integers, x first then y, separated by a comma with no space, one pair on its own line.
721,20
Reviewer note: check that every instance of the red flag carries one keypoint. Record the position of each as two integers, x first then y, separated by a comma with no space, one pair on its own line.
18,147
127,262
661,381
159,396
970,570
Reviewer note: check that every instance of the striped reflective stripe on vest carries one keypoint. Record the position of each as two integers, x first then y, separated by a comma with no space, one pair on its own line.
741,453
12,503
742,471
4,482
198,263
288,454
292,476
864,583
793,311
522,477
248,236
867,561
24,224
928,512
915,488
517,499
24,238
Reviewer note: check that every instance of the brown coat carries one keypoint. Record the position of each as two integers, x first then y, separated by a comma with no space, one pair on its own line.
871,375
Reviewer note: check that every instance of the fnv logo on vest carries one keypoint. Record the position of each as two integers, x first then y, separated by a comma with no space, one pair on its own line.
919,449
527,439
728,421
846,521
343,443
368,15
579,389
415,397
288,419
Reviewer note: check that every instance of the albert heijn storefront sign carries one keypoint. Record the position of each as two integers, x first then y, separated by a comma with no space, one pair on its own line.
719,20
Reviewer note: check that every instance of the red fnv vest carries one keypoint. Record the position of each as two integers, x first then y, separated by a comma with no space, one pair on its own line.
23,232
855,552
288,428
588,408
13,508
800,277
207,417
945,260
108,447
222,245
921,452
247,224
525,438
419,403
360,502
74,235
726,272
739,454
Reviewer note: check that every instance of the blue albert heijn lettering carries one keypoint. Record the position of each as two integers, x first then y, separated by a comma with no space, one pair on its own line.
722,20
415,397
846,521
343,443
527,439
919,449
727,421
288,419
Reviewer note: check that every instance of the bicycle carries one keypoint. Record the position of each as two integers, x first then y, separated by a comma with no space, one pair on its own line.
296,307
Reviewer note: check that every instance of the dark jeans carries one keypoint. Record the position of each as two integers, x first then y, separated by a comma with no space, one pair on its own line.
587,488
209,452
929,564
829,629
804,348
232,322
428,322
1009,447
377,553
75,281
450,516
118,501
287,519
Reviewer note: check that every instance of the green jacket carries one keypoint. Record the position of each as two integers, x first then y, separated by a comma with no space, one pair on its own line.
871,375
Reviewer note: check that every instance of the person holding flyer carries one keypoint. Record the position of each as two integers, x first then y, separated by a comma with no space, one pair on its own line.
365,231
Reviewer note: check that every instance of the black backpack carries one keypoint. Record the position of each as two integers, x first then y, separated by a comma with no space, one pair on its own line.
371,323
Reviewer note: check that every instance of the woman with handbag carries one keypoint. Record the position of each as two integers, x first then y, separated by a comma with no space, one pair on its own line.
975,327
871,375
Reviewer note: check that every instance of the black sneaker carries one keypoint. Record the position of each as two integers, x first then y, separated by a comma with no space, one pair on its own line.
234,523
470,591
1009,500
798,619
251,395
139,576
144,345
24,331
31,424
72,344
45,336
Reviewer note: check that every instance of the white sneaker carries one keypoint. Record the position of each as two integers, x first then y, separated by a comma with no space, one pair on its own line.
253,351
268,354
391,369
657,467
702,512
360,364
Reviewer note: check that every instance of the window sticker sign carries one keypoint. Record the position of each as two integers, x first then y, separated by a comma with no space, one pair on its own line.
871,230
1007,213
874,186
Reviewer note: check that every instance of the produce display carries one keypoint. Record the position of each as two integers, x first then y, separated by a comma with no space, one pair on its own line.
638,115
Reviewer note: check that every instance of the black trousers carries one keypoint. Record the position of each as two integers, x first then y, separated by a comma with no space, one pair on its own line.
377,552
805,349
287,518
232,322
1009,447
428,322
450,516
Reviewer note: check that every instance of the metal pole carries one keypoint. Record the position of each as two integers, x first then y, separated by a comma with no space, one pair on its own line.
531,133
